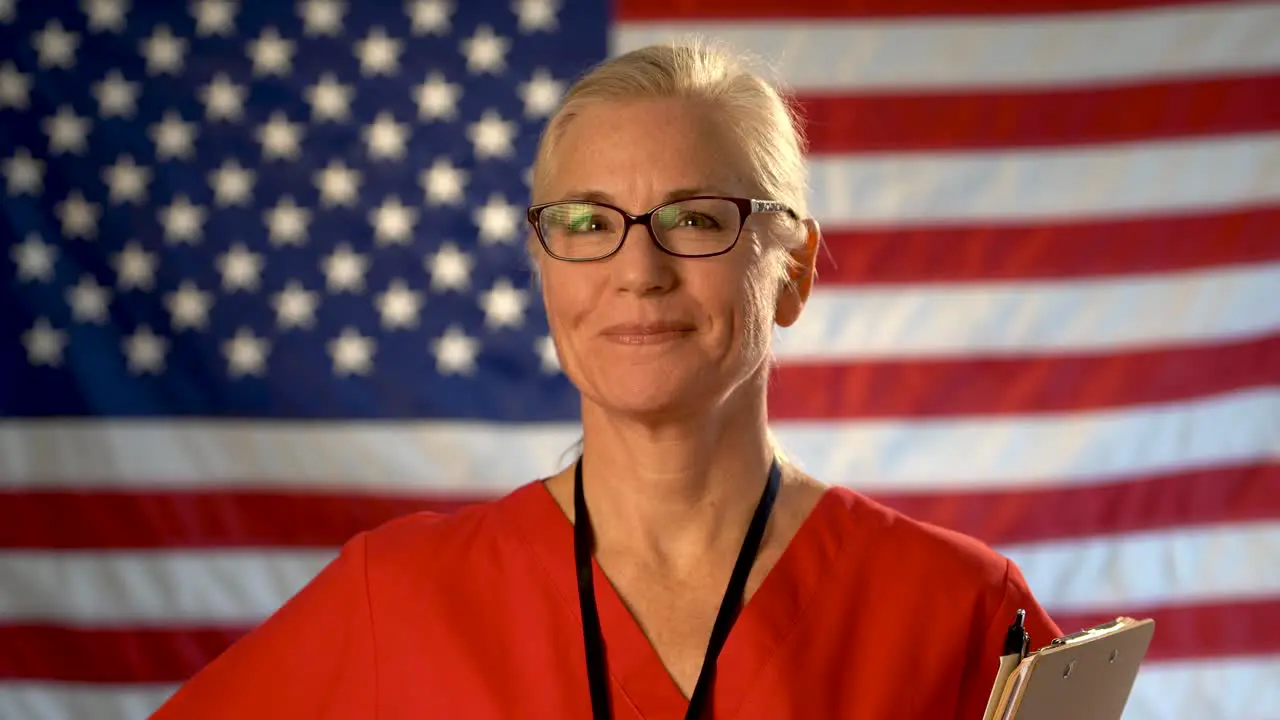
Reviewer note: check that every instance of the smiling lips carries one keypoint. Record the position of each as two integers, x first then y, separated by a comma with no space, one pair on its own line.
652,333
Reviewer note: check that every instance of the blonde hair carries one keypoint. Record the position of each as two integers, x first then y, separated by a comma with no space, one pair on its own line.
764,121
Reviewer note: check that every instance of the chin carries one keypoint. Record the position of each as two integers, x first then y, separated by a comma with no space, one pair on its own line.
661,392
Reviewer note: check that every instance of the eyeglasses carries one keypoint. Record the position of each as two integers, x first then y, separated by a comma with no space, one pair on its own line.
703,226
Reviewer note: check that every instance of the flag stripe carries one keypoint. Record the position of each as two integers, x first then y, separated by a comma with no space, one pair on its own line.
152,519
836,55
1021,385
845,323
1112,180
1059,249
170,655
1177,566
1013,451
838,123
756,10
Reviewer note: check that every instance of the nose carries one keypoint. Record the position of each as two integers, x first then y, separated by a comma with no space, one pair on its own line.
640,266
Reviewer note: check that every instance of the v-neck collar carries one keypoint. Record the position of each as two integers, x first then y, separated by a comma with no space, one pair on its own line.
763,626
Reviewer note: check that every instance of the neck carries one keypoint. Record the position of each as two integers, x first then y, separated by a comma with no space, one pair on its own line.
672,494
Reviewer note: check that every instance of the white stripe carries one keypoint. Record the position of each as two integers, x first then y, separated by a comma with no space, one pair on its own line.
1246,688
986,187
78,701
956,53
1035,318
1236,688
161,588
1155,568
1000,451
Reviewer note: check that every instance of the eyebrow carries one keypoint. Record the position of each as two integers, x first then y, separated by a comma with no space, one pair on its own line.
678,194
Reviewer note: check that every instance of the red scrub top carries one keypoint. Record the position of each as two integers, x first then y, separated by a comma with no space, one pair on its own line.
474,615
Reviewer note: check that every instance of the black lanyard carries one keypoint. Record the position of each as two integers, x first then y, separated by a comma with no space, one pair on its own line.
593,638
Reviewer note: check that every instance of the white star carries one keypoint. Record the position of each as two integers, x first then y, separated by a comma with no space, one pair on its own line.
386,138
214,17
79,217
503,305
35,258
116,96
89,301
438,98
126,181
545,348
450,268
231,183
455,352
535,14
15,88
498,220
338,184
223,99
24,173
145,351
352,353
174,137
443,182
344,270
189,306
378,53
45,344
105,15
430,17
55,47
8,11
330,99
485,51
183,221
295,306
164,51
393,222
241,269
68,132
271,54
541,94
287,222
492,136
246,354
135,267
280,138
399,306
322,17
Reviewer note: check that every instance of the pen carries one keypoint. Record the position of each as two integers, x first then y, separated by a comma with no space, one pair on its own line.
1016,642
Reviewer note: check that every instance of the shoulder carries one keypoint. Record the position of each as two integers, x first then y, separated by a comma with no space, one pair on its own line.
441,542
912,547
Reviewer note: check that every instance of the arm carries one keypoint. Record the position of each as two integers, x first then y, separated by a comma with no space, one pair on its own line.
980,670
313,658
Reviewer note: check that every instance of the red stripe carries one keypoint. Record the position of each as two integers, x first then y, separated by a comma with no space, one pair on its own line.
172,655
921,388
1213,496
175,520
1064,249
1199,632
849,123
685,10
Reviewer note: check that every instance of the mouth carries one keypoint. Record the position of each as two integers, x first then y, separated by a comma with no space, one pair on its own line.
657,333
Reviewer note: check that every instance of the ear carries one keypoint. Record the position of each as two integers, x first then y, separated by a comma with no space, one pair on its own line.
801,274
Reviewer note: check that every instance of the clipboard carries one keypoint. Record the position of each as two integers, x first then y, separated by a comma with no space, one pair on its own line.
1087,674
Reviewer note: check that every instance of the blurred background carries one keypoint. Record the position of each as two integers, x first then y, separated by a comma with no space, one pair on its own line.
262,286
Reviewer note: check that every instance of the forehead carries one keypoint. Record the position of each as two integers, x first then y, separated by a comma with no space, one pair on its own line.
638,152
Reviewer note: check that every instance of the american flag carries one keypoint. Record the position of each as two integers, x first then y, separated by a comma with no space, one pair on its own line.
265,286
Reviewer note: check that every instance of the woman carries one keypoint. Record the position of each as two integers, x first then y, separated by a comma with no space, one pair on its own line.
662,319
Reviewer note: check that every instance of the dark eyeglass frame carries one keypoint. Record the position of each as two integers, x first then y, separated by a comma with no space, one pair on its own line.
746,208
